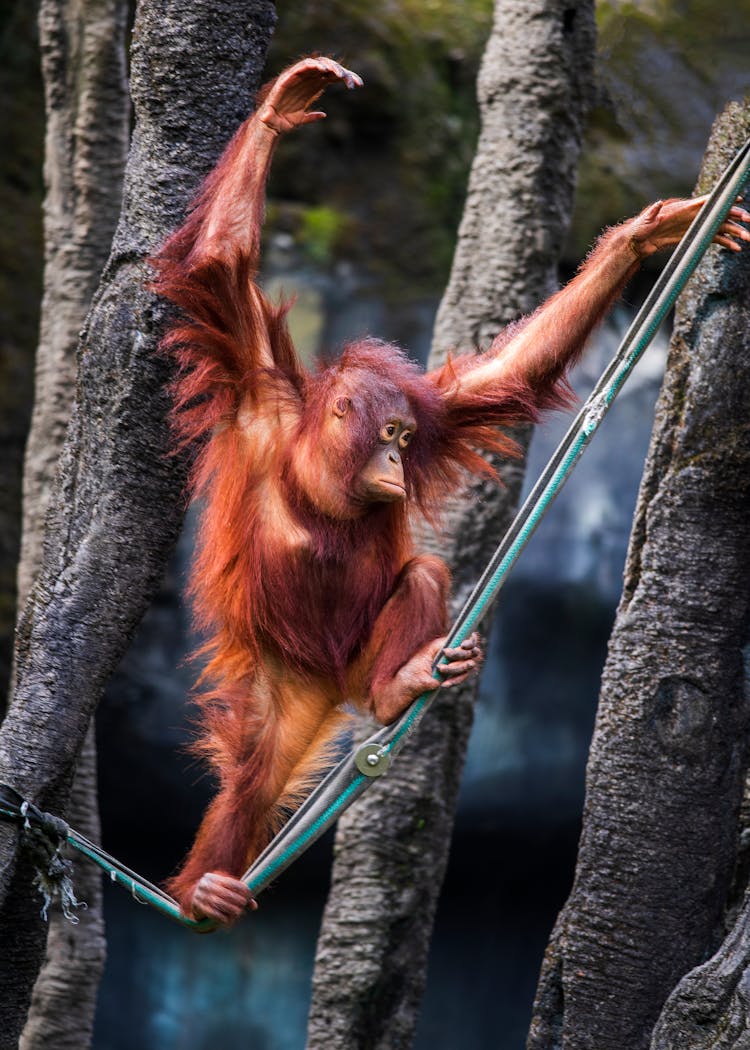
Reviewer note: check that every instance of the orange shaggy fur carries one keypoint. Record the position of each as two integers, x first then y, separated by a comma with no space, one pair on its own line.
306,600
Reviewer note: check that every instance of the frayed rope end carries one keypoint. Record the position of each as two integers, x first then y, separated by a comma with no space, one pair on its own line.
44,839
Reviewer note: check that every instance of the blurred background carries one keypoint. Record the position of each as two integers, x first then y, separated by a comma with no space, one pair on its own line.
361,224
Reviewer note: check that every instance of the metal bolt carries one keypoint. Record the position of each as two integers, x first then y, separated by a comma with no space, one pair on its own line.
372,760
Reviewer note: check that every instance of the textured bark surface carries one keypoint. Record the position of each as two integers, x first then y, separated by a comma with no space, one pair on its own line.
666,769
87,108
710,1007
86,102
63,1002
21,153
391,848
117,504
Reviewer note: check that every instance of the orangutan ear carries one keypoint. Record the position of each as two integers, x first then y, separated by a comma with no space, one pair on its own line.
341,406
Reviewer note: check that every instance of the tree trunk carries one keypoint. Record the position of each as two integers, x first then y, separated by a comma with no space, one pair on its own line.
668,756
21,136
87,106
117,503
86,101
534,88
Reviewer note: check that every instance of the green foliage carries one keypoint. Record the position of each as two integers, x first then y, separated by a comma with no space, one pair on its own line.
666,68
321,229
393,158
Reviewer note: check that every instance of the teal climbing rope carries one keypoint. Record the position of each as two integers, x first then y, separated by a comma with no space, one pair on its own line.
324,806
358,770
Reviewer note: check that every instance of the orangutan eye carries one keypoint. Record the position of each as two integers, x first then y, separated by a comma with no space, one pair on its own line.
405,438
386,434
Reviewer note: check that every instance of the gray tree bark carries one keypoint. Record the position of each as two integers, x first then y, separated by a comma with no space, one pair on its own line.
87,108
117,502
21,153
669,752
63,1002
534,88
86,102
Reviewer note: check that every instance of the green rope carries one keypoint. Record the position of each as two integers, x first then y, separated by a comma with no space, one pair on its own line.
320,809
677,272
313,832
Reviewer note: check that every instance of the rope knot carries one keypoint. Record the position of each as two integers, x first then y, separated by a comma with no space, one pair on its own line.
44,835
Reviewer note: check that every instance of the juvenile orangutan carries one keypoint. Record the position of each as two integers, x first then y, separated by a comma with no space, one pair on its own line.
305,578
